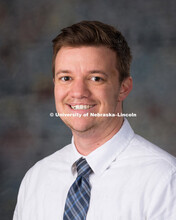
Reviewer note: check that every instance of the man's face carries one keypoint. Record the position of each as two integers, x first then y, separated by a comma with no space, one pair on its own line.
87,81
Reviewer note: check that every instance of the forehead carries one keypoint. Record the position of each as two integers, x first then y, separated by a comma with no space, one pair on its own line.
87,56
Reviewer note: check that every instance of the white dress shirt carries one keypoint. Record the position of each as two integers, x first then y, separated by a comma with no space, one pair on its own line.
132,179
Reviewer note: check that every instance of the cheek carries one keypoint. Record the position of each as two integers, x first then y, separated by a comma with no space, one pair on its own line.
110,95
111,100
59,97
106,98
59,93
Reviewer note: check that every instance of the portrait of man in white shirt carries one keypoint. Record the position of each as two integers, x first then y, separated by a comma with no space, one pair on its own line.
129,177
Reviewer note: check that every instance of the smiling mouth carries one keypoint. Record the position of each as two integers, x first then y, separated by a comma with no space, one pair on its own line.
81,107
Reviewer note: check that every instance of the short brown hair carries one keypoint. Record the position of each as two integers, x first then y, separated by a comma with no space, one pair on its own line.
95,33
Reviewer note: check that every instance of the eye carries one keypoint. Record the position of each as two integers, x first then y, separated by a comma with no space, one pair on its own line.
65,78
97,79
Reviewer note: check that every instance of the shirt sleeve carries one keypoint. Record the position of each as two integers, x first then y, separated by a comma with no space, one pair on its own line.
20,200
15,216
23,194
163,201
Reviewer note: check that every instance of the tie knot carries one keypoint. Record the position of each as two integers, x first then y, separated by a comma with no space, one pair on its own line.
83,167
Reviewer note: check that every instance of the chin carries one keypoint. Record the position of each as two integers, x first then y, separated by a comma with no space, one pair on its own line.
79,127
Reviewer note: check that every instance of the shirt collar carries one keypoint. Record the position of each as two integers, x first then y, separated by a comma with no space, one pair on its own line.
101,158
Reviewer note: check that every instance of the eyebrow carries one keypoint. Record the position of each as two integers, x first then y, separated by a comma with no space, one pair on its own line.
98,71
62,71
91,72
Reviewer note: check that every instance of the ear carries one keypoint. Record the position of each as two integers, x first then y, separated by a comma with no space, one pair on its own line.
125,88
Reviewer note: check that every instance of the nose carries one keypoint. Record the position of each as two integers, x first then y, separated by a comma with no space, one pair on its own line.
80,89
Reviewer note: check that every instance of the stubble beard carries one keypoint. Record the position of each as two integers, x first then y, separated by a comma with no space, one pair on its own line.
86,130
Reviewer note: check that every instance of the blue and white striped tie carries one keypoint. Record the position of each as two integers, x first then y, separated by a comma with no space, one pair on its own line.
77,202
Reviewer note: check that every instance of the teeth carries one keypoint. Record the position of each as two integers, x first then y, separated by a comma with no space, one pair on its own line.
80,107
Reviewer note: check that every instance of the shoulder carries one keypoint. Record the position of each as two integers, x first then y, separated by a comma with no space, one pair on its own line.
43,175
151,158
152,150
158,169
151,167
53,162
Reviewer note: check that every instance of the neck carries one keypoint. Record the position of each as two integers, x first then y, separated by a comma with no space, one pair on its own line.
90,140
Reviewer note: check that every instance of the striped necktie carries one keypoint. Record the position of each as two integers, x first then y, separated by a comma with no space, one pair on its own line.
77,202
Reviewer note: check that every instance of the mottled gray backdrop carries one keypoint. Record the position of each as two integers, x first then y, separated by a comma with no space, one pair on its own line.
27,132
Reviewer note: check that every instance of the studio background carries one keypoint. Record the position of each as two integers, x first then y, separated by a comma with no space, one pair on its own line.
27,132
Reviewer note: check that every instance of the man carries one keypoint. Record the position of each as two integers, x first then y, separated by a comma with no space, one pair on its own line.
107,172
